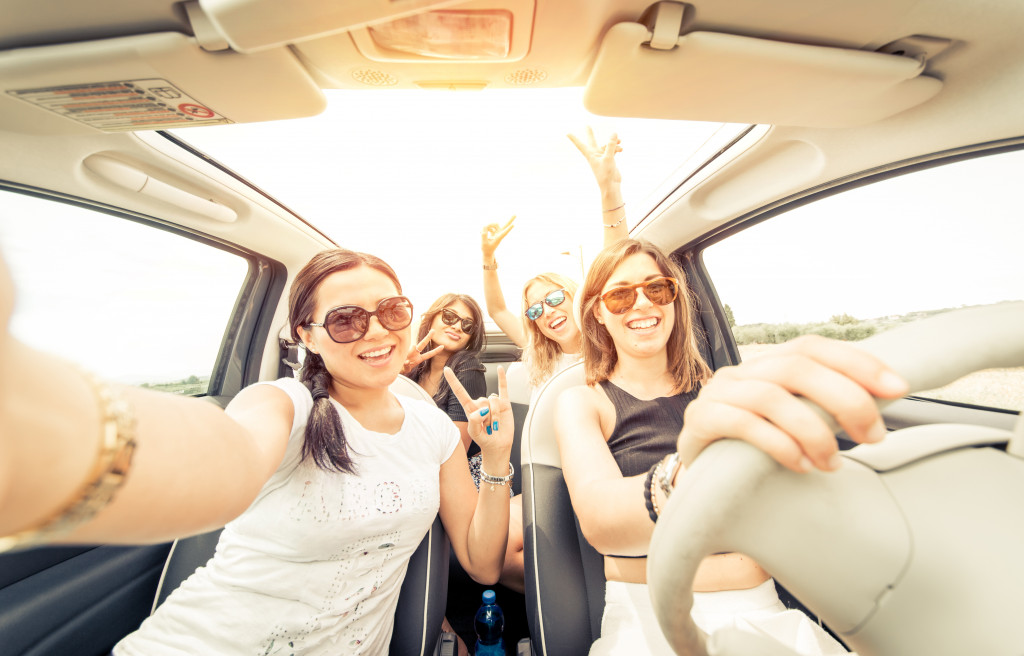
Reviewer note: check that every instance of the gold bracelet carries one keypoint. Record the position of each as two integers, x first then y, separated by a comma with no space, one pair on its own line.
117,446
491,267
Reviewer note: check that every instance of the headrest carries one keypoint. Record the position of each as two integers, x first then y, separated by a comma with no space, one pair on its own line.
539,443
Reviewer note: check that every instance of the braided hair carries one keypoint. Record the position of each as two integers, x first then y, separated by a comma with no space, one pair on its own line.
324,440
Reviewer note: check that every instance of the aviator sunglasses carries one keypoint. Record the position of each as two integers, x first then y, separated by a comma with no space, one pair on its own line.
450,318
554,299
660,291
348,323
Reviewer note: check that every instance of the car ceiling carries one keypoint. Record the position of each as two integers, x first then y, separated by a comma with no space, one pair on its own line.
976,70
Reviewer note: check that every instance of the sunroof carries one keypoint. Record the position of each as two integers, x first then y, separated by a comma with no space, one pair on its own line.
413,176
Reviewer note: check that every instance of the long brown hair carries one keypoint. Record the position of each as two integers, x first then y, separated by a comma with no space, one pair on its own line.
466,359
685,361
542,353
324,441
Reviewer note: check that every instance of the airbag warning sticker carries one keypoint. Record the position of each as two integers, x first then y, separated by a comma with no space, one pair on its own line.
152,104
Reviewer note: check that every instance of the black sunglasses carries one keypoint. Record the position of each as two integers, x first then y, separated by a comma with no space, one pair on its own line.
660,291
348,323
554,299
450,318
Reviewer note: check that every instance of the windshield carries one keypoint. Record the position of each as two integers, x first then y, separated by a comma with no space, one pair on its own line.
413,176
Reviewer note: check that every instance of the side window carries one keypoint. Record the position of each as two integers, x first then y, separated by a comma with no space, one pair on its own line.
130,302
878,256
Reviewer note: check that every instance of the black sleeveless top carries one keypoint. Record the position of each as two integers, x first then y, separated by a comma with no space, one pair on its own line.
645,431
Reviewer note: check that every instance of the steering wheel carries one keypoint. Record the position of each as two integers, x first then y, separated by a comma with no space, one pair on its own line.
914,546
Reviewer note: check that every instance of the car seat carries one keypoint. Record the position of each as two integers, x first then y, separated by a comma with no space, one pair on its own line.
519,397
421,602
564,574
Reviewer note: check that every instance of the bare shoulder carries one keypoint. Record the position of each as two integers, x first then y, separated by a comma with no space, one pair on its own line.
262,407
257,395
588,404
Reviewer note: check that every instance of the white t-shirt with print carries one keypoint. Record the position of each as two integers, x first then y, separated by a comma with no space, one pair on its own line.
316,563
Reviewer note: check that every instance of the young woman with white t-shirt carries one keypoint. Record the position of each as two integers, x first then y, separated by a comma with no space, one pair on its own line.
326,484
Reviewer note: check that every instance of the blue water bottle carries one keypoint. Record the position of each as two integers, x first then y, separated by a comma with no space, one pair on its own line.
489,623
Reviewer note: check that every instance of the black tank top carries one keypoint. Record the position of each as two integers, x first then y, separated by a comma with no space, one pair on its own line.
645,431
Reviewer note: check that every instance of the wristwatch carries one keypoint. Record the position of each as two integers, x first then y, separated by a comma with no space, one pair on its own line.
668,473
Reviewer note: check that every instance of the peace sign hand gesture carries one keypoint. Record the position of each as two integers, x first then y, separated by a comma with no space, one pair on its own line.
416,355
491,236
491,424
600,157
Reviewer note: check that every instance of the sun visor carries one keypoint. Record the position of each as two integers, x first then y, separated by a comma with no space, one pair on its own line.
708,76
149,82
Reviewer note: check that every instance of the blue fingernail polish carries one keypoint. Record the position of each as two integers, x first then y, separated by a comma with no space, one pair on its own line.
495,426
483,413
488,430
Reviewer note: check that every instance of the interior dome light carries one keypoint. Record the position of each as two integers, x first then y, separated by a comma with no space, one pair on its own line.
449,34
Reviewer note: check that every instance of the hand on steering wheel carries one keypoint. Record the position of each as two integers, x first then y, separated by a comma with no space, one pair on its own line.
759,401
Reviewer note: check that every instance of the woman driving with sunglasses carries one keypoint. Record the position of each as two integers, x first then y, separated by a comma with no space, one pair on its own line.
326,483
618,438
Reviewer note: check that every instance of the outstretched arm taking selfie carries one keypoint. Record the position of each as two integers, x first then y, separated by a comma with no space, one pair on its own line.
193,468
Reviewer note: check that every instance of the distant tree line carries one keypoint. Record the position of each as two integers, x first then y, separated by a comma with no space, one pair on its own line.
839,326
187,386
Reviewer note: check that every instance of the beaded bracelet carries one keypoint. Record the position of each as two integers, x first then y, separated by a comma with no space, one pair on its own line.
614,225
117,446
648,496
491,267
497,480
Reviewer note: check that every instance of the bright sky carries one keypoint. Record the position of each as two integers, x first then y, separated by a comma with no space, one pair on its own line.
413,176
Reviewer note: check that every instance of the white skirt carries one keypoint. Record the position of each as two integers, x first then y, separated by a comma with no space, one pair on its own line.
628,625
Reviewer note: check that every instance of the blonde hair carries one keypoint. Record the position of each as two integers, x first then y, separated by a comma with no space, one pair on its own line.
685,362
542,353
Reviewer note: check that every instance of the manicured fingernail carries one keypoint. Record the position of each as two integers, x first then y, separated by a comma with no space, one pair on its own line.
804,465
495,426
834,462
488,430
483,413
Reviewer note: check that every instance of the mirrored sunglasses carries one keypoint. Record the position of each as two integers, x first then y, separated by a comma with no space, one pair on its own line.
554,299
348,323
450,318
660,291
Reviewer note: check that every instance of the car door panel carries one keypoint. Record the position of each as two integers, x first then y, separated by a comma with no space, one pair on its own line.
61,600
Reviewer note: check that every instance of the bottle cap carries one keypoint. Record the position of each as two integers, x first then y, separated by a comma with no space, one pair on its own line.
488,596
